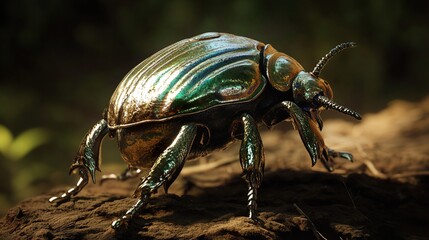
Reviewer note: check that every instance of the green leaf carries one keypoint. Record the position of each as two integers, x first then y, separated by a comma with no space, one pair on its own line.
6,138
26,142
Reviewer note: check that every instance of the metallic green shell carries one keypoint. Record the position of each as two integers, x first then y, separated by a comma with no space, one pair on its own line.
188,77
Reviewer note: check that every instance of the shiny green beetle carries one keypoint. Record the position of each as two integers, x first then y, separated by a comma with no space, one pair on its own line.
199,95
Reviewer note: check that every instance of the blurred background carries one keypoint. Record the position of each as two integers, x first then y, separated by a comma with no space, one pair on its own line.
61,61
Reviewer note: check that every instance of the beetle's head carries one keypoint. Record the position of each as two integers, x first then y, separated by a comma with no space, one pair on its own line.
312,93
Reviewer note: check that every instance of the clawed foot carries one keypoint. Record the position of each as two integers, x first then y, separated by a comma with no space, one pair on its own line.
83,172
122,223
253,213
253,179
252,205
328,156
65,197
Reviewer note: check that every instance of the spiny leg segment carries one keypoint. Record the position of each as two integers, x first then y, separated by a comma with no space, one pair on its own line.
164,169
252,161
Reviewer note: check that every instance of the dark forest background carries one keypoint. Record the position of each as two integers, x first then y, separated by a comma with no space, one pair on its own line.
60,61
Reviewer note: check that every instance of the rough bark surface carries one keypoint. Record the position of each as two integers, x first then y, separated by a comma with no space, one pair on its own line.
384,194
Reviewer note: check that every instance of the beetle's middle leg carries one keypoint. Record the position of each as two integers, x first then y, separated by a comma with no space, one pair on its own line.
130,172
252,160
166,168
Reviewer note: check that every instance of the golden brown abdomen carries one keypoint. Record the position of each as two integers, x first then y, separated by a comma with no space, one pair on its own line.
142,144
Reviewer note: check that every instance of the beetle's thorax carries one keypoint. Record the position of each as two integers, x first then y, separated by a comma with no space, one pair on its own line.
280,68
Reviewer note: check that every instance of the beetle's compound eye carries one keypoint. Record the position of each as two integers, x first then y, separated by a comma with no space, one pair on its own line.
326,88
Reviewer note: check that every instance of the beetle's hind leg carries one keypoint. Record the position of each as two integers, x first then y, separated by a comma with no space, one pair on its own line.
166,168
87,160
252,160
130,172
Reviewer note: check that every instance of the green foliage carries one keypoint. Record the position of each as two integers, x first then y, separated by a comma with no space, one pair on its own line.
18,176
6,139
17,148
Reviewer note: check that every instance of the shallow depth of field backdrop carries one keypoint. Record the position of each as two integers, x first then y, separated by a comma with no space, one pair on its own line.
61,61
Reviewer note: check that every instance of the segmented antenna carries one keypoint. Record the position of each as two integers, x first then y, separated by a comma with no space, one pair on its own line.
328,103
321,64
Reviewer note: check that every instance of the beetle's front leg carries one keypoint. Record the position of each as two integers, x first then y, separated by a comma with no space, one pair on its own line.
308,126
166,168
252,160
330,154
326,154
302,122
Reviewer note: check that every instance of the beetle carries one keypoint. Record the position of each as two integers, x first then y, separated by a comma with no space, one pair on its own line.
199,95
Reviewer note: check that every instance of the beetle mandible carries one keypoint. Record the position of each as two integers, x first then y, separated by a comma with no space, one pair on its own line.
198,95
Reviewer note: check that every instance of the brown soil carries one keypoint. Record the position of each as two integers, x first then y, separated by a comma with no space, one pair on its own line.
384,194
